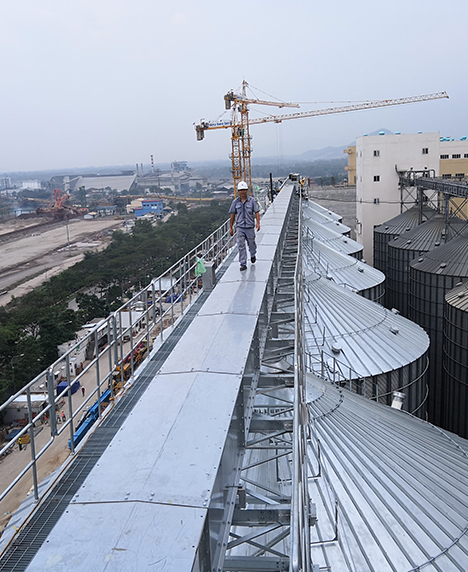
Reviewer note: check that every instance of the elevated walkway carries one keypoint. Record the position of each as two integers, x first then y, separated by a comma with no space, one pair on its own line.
157,484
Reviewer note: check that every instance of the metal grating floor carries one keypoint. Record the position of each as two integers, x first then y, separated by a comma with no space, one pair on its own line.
24,546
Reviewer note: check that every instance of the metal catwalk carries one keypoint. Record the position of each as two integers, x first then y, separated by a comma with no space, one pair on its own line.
161,484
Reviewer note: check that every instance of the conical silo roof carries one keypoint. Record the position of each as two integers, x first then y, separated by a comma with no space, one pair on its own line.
392,486
325,220
332,238
404,222
450,259
399,225
370,338
458,297
343,269
323,210
408,246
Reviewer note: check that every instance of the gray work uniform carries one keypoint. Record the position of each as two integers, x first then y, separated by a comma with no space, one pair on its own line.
245,224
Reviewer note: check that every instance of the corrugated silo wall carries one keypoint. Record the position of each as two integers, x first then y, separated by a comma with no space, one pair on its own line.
381,239
426,308
398,277
455,364
410,379
376,293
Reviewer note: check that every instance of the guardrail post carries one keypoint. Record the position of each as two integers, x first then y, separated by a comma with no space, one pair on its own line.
33,448
51,395
70,405
98,376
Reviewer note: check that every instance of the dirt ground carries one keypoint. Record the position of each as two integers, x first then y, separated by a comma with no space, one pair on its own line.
30,258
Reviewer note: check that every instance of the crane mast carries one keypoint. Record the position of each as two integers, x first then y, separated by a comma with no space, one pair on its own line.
240,123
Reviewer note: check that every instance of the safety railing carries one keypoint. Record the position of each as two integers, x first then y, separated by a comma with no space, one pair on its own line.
300,558
103,363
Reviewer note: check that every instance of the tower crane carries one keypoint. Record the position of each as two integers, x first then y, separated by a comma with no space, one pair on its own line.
240,123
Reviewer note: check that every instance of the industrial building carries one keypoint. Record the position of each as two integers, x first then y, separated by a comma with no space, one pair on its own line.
379,158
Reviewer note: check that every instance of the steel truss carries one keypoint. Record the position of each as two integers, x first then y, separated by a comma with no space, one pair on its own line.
270,523
444,196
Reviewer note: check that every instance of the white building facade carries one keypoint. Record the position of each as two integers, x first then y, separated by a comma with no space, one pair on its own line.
378,157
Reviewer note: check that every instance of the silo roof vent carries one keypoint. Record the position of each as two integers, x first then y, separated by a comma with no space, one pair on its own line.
336,348
398,399
443,264
394,330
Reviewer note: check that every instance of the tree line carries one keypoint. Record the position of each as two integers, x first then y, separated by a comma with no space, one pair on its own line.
31,327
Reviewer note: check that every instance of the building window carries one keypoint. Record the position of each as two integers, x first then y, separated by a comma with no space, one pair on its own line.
456,156
425,150
444,156
376,153
459,174
465,156
447,176
376,201
376,178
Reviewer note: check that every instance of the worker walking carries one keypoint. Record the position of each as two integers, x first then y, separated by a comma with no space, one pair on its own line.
245,211
82,390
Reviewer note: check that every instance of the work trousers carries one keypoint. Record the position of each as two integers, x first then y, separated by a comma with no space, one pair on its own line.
246,235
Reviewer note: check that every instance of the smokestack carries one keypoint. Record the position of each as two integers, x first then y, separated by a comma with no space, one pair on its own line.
142,172
152,164
137,169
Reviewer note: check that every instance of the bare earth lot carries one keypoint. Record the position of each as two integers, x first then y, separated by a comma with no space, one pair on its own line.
30,258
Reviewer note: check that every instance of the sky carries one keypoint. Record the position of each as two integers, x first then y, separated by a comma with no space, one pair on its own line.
112,82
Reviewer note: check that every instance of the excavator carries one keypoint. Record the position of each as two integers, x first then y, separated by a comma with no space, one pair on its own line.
59,208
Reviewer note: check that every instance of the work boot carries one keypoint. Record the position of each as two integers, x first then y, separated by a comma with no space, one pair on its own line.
243,267
253,260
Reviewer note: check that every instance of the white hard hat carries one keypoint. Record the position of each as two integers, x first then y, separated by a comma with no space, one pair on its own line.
242,186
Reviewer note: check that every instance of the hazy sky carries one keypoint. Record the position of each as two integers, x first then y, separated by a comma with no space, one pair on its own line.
110,82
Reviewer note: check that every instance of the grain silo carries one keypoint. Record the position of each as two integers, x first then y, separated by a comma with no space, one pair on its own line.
431,277
387,231
455,359
325,220
405,248
363,346
332,238
344,269
323,210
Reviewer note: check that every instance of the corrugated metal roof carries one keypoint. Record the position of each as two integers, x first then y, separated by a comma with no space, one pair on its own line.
332,238
398,485
325,220
450,259
428,235
323,210
343,269
458,297
424,237
404,221
372,339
